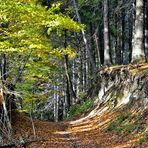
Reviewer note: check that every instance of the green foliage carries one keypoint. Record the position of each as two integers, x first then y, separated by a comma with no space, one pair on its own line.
121,125
79,108
112,126
87,9
113,31
121,117
125,128
23,23
25,28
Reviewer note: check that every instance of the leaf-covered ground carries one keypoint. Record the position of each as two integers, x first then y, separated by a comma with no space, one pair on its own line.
88,132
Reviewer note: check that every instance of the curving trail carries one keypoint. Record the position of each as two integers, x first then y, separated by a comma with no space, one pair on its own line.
83,133
86,132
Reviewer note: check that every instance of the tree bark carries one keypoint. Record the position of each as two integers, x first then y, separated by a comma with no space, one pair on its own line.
69,77
138,45
3,67
56,104
107,59
146,28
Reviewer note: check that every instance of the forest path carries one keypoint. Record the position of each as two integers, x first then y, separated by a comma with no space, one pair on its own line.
82,133
86,132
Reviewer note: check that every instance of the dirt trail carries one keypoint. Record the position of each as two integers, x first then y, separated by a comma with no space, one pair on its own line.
80,134
83,133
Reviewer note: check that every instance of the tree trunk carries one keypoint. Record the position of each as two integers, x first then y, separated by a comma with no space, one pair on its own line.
3,67
98,50
69,77
56,104
125,35
107,59
118,41
146,29
138,46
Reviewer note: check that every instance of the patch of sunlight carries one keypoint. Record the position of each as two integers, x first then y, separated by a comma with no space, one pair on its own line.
84,126
63,139
62,132
123,146
90,115
105,122
97,111
140,69
85,129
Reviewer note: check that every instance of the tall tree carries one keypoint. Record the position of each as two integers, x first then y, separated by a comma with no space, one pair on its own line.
107,59
138,44
146,28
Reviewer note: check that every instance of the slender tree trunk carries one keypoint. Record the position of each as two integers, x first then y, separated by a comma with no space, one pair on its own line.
80,78
98,50
74,81
101,41
56,104
118,41
125,35
68,96
85,70
107,59
146,28
3,67
131,33
6,117
92,44
70,90
138,46
69,77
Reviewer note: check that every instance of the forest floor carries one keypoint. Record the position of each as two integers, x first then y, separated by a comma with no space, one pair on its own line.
86,132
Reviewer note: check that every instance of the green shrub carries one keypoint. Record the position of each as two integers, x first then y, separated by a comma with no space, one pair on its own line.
127,128
112,126
121,117
120,126
79,108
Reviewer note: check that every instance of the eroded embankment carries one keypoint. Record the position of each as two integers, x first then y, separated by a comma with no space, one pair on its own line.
121,85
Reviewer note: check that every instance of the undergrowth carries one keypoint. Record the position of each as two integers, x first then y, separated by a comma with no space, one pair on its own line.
77,109
122,125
